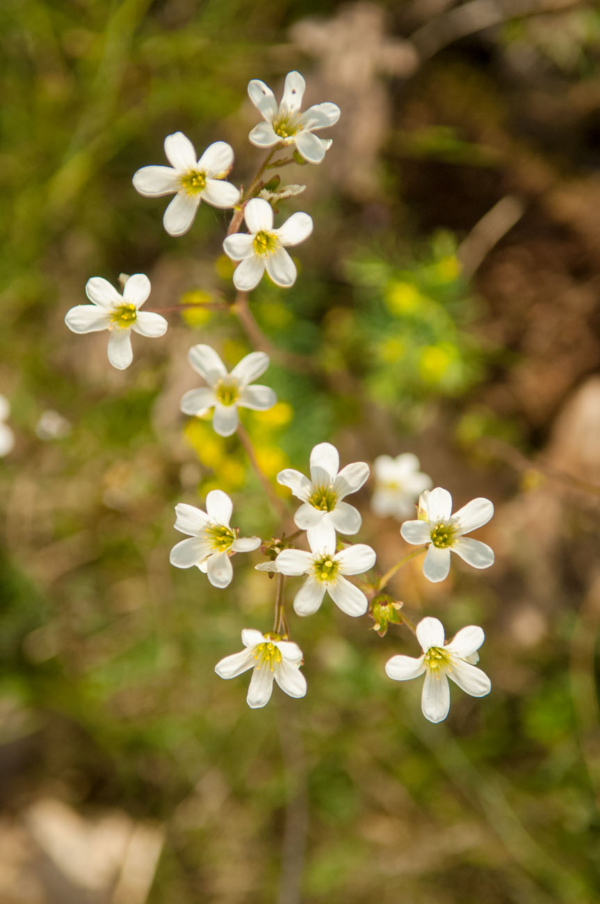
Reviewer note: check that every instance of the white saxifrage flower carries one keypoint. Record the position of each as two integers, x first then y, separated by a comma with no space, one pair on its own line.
190,179
120,314
440,661
445,532
211,540
263,246
7,437
398,484
272,658
323,511
285,124
226,392
326,570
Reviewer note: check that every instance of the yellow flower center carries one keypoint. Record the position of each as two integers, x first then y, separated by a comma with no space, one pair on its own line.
227,392
442,535
286,126
193,182
268,654
323,498
437,660
325,569
220,537
124,315
265,243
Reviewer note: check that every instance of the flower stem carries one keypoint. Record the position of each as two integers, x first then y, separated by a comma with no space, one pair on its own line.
280,625
238,216
385,579
277,503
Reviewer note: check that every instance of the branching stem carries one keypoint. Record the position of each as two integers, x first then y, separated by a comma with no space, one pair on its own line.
386,578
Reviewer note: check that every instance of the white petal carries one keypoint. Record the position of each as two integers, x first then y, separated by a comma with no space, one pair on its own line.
225,419
435,701
296,229
470,679
348,597
246,544
263,98
310,146
7,440
207,363
309,597
248,274
263,135
351,478
383,503
294,561
258,214
251,367
436,565
324,463
120,353
180,152
293,93
239,246
439,505
324,545
474,552
252,638
300,485
290,679
235,665
87,318
179,215
345,518
356,559
261,687
197,401
404,668
321,534
219,569
219,507
308,517
267,566
102,293
149,324
156,181
259,398
416,532
221,194
189,552
290,651
217,159
281,268
473,515
430,633
320,116
467,641
189,519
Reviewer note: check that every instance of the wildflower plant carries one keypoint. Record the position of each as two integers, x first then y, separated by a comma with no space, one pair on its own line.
311,542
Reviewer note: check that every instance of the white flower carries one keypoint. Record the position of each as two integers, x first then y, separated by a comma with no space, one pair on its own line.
191,180
263,246
286,124
226,392
445,532
52,425
272,658
398,485
212,540
323,512
117,313
7,437
440,661
326,569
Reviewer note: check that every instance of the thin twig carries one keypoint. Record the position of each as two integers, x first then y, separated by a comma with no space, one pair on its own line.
389,574
259,340
487,232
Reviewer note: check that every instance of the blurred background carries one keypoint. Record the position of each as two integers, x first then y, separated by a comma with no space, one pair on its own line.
448,300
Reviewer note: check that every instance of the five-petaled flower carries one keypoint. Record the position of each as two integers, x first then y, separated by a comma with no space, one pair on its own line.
263,246
226,392
326,569
445,532
398,484
120,314
190,179
285,124
440,661
272,658
211,540
323,511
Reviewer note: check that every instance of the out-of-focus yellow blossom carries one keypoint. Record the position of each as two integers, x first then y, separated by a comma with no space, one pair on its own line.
271,459
448,268
232,474
391,350
208,446
278,416
233,350
224,267
403,298
196,316
275,314
435,360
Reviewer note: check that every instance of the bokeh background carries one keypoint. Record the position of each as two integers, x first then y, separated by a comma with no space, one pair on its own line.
448,301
